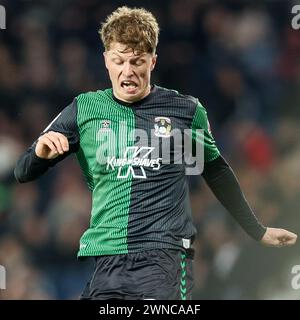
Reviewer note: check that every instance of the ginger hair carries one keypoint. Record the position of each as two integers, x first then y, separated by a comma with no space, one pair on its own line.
135,28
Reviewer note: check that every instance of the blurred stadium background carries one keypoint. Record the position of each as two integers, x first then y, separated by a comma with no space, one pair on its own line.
241,58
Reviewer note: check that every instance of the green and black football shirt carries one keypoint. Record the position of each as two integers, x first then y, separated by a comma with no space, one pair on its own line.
139,201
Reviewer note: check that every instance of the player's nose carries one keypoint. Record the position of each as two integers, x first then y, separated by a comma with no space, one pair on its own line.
127,69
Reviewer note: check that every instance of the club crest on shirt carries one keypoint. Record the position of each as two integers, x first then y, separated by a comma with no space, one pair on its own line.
162,127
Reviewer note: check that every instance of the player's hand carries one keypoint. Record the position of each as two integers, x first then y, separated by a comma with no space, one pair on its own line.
278,238
51,144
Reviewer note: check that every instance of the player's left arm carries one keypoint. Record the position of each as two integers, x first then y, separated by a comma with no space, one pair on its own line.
221,179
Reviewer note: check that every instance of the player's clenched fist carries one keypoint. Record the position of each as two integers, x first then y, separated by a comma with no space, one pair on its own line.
275,237
51,144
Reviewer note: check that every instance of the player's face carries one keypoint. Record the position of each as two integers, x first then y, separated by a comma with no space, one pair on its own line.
128,72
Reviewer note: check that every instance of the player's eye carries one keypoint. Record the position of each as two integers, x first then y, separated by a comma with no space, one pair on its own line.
139,62
118,61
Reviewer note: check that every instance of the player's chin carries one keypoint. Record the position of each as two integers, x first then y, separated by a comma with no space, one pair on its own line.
131,95
132,91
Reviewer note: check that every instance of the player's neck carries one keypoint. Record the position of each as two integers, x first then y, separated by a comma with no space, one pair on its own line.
146,97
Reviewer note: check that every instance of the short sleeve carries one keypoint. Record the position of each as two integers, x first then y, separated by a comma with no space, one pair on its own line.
201,133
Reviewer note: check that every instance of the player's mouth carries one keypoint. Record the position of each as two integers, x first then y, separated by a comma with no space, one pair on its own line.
129,86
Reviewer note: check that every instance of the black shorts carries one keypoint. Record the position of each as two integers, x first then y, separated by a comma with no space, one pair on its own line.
160,274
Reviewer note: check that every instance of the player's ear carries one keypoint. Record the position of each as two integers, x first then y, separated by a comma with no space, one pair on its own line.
105,58
153,61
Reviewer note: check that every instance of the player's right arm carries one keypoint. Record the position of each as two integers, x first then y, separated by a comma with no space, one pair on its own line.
56,142
51,144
